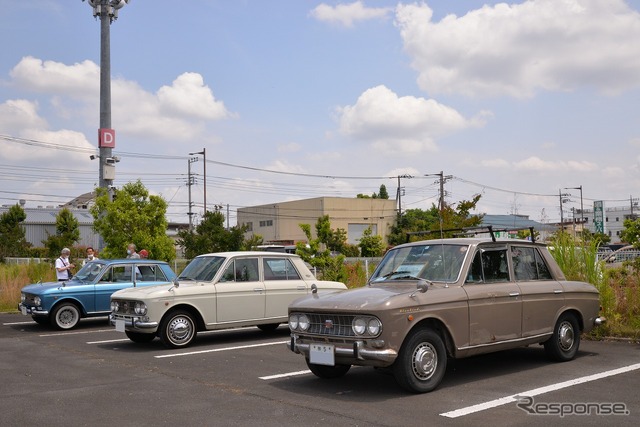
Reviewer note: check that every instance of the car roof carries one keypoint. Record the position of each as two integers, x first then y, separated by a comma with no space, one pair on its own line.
250,253
129,261
469,241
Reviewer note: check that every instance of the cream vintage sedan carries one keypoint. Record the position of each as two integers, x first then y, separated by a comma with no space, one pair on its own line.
217,291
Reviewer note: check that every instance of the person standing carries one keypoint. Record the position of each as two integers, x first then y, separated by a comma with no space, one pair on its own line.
131,251
90,256
144,254
64,266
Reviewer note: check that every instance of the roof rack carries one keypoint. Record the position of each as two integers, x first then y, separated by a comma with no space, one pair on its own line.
474,231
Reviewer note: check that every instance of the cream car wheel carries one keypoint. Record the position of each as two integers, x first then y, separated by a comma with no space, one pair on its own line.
178,329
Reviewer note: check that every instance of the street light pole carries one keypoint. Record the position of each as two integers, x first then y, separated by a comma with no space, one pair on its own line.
190,183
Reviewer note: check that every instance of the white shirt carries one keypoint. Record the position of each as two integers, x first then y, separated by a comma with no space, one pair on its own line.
62,263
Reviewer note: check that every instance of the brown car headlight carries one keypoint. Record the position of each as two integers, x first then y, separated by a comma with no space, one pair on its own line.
366,326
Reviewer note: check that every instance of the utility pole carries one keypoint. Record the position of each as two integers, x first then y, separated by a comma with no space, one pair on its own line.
190,182
204,161
399,193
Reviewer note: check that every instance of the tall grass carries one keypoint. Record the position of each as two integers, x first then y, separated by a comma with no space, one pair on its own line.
619,287
14,277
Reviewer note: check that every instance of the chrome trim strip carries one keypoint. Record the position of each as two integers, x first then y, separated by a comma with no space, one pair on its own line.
504,342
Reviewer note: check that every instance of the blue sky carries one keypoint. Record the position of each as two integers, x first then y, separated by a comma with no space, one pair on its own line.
297,99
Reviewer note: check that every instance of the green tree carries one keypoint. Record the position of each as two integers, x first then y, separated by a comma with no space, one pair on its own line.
631,232
383,192
67,233
317,251
371,245
133,216
451,217
211,235
12,236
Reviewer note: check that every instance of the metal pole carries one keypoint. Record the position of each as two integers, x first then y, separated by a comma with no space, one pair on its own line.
561,218
204,155
189,183
105,88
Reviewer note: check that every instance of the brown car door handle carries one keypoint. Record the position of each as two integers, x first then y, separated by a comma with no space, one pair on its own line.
514,294
557,291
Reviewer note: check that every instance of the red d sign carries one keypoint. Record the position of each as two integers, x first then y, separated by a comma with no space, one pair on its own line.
107,138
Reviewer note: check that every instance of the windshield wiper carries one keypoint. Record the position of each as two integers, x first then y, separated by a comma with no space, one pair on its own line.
407,275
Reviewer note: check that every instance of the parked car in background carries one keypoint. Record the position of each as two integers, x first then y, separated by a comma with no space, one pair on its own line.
435,299
625,253
217,291
88,293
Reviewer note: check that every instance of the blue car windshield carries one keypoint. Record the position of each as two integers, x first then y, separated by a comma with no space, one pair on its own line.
202,268
89,272
435,263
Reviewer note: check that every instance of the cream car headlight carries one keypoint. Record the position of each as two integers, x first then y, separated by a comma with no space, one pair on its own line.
140,308
115,306
293,322
37,301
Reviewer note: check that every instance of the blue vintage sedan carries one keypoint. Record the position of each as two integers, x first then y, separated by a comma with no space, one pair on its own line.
88,293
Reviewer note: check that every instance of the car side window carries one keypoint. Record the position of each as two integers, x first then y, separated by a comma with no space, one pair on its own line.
116,273
241,270
150,273
279,269
489,266
528,264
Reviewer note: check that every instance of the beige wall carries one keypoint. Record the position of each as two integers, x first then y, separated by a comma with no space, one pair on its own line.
280,221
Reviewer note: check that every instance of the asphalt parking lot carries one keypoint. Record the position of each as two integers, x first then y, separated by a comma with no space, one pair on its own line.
94,375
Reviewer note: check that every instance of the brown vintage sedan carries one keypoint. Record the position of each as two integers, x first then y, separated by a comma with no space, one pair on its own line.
435,299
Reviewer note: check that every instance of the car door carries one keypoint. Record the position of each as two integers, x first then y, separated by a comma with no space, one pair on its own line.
116,277
542,297
283,284
495,303
240,293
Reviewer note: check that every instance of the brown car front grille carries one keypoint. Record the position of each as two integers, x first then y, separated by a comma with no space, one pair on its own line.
336,325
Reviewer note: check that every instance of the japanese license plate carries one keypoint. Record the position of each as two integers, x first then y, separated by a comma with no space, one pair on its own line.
119,325
322,354
24,310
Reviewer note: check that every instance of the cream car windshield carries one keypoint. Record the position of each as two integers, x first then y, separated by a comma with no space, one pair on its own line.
435,263
202,268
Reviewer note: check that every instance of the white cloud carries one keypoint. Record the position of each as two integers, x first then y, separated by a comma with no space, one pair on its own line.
19,114
396,124
348,14
80,80
176,112
495,163
517,49
537,164
188,96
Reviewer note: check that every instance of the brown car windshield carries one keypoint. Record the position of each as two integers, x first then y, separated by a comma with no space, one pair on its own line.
435,263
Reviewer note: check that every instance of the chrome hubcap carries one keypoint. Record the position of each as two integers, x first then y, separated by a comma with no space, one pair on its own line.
66,317
424,361
180,329
565,336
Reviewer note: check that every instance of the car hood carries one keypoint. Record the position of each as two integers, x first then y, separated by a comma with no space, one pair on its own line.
48,287
153,291
366,298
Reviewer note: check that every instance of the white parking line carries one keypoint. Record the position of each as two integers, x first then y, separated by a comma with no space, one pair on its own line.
58,334
19,323
108,341
537,391
288,374
191,353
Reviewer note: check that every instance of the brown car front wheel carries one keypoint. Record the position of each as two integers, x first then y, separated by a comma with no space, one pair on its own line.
422,361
